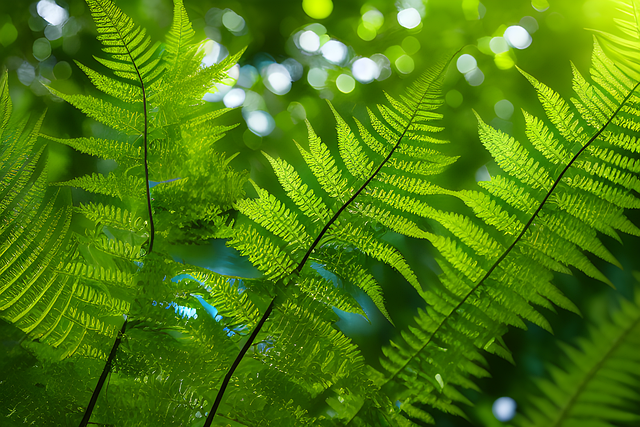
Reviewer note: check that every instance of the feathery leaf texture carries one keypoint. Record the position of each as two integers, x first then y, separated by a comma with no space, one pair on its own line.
537,216
623,49
281,237
37,294
379,177
155,101
541,213
167,135
598,383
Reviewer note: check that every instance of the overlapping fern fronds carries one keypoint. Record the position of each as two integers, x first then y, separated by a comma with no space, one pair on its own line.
624,48
155,101
39,292
167,133
538,215
316,244
598,382
381,185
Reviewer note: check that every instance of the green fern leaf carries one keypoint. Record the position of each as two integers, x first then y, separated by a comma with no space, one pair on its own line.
535,217
598,381
120,186
623,49
35,295
398,149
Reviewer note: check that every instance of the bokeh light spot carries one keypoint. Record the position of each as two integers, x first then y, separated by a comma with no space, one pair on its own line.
530,24
309,41
51,12
36,23
8,34
498,45
374,18
214,52
294,68
365,70
53,32
405,64
366,32
517,37
234,98
482,174
41,49
345,83
26,73
504,109
216,93
409,18
466,63
62,70
334,51
540,5
260,122
253,101
317,9
475,77
233,22
317,77
233,73
504,61
453,98
504,409
384,65
248,76
278,79
297,112
411,45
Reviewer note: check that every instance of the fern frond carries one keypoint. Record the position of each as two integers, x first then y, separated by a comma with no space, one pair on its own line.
179,37
230,301
364,194
128,46
121,186
125,120
545,207
111,216
49,306
623,49
598,381
122,152
379,188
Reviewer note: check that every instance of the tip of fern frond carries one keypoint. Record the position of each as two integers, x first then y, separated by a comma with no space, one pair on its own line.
264,153
253,183
230,158
241,51
475,113
527,75
610,283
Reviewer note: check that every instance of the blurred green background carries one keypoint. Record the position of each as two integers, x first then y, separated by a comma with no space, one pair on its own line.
300,53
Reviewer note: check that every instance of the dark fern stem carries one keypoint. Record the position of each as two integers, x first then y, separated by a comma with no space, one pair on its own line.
146,170
298,269
145,136
103,378
235,364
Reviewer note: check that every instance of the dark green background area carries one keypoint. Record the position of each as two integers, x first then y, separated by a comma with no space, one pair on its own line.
445,29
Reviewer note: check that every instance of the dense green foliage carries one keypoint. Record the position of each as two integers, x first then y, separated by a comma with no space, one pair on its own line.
92,287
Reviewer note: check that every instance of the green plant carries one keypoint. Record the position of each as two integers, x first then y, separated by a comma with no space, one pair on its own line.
268,353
